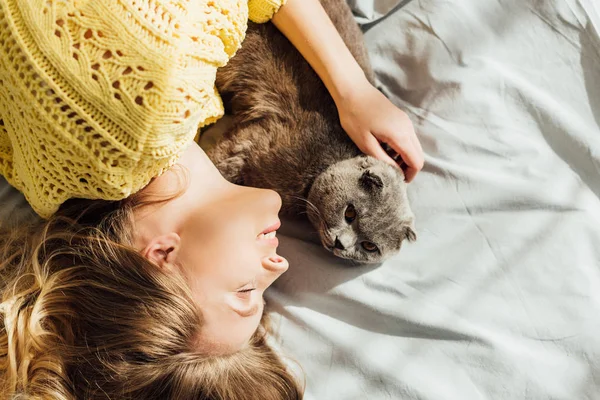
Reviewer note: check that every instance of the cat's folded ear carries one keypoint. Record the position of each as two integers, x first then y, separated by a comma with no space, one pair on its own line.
409,232
371,182
366,162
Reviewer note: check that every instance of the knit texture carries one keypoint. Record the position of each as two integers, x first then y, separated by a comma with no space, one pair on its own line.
99,96
263,10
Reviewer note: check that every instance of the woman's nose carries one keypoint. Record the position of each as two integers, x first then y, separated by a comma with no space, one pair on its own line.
261,200
271,200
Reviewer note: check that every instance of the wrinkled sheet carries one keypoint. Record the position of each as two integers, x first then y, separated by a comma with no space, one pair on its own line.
500,296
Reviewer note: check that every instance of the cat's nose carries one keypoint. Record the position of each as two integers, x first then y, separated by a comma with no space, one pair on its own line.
338,245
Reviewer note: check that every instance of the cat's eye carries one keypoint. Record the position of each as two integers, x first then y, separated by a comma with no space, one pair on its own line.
370,247
350,214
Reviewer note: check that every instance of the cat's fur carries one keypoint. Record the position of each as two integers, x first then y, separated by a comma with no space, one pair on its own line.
287,136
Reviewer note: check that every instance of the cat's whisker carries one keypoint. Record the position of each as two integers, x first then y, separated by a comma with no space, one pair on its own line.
312,207
308,203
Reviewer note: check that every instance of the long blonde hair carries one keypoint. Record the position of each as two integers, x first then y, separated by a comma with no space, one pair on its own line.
85,316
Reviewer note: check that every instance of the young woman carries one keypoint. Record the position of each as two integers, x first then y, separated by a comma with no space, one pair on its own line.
153,287
158,296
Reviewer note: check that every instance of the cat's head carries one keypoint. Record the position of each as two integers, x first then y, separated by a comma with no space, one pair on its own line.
360,209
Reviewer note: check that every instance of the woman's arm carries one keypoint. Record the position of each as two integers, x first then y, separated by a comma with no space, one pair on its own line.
367,115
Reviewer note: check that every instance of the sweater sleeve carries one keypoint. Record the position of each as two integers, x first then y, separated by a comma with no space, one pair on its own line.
261,11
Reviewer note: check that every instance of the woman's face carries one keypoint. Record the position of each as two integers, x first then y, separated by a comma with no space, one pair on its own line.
222,238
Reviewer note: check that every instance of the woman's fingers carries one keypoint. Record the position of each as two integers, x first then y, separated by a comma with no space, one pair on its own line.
411,154
373,148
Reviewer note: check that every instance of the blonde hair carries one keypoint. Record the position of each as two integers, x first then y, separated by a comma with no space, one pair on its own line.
85,316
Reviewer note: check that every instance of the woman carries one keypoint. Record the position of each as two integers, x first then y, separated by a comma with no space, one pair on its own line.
152,297
154,290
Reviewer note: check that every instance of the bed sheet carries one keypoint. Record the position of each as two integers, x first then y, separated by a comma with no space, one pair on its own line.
13,206
500,296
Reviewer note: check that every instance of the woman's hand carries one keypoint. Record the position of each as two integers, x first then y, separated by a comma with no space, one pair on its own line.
370,119
367,115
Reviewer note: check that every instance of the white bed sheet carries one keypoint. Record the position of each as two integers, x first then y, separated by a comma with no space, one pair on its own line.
500,296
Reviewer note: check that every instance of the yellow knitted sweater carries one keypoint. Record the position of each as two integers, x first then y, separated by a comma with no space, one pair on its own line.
99,96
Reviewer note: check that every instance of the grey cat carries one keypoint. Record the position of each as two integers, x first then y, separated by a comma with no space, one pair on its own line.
286,135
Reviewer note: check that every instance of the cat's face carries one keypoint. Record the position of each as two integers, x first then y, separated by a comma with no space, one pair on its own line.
360,208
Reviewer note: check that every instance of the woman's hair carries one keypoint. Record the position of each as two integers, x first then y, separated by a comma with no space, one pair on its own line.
85,316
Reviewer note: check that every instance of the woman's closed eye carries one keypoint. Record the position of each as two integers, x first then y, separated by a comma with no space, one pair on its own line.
247,305
245,293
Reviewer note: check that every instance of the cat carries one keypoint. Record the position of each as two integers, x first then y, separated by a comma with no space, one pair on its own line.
286,135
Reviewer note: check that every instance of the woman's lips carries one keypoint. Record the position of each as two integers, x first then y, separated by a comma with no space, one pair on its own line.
272,228
269,235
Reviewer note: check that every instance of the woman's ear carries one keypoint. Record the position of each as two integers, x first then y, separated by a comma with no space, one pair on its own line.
163,250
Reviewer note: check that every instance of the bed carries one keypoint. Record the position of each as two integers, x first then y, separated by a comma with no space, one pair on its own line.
500,296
